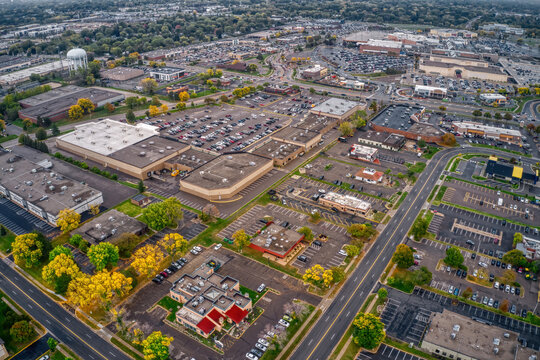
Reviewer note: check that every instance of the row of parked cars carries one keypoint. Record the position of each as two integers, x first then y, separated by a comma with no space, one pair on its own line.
175,266
263,343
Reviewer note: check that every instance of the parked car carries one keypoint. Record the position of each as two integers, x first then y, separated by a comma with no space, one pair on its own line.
451,289
261,347
261,288
513,309
263,342
456,291
218,246
302,258
284,323
251,356
257,352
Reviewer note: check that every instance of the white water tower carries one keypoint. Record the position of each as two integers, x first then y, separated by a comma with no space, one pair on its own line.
77,59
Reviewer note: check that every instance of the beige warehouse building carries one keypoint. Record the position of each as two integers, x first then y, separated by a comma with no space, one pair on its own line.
462,67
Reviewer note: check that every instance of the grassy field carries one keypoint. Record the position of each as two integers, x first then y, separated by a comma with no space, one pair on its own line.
6,241
129,209
7,138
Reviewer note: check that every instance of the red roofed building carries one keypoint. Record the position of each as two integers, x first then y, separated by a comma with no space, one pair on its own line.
236,314
206,325
369,175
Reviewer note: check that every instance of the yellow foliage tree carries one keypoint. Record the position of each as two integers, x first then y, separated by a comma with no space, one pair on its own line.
86,105
147,259
183,96
60,265
99,289
153,110
173,244
163,108
68,220
27,249
75,112
94,209
316,275
210,72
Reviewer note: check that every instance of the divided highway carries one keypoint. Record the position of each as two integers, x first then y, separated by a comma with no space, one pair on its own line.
60,323
328,330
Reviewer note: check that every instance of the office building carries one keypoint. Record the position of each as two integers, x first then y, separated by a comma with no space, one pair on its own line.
345,203
276,240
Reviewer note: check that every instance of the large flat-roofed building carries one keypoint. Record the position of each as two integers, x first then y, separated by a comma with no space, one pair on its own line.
38,189
306,139
316,72
449,33
280,152
462,68
382,140
345,203
339,109
109,226
210,300
320,124
364,153
16,77
166,73
50,95
404,120
225,176
386,47
121,73
57,108
469,128
276,240
493,99
191,159
454,336
430,91
136,150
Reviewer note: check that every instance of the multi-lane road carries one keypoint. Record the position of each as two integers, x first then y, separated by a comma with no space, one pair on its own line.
318,344
60,323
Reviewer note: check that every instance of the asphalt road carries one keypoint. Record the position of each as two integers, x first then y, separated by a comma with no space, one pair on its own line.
59,322
318,344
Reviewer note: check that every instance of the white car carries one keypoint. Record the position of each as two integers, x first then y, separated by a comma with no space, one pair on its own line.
263,342
198,248
482,264
261,347
283,323
251,356
342,252
218,246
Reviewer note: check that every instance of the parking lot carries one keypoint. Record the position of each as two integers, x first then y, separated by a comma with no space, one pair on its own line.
487,200
352,61
386,352
20,221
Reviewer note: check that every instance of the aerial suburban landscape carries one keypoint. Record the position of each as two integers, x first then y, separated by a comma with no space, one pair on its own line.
227,180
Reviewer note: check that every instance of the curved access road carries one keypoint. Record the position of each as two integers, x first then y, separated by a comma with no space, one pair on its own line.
333,323
60,323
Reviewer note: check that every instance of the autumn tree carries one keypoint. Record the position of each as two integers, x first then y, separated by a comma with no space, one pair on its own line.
346,129
173,244
99,289
163,108
147,259
362,232
183,96
153,110
109,107
156,346
449,139
68,220
75,112
403,256
60,249
62,264
103,254
94,209
86,105
28,249
318,276
165,213
454,257
22,331
505,305
181,106
515,257
241,239
352,250
149,85
368,331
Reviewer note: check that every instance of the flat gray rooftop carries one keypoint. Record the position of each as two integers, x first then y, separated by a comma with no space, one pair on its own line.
50,95
109,226
226,170
296,134
193,158
148,151
397,116
314,122
277,239
276,149
334,106
166,70
45,188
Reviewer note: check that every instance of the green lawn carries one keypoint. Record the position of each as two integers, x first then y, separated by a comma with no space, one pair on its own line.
253,295
6,241
7,138
172,305
129,209
418,167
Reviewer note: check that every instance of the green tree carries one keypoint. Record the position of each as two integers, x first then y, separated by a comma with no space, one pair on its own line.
346,129
383,294
352,250
141,187
307,232
477,112
54,129
368,331
52,344
419,228
132,101
41,134
241,239
149,85
498,116
487,115
362,232
422,276
162,214
515,257
22,331
103,254
130,116
60,249
454,257
338,274
61,283
508,116
75,240
421,143
403,256
518,237
126,242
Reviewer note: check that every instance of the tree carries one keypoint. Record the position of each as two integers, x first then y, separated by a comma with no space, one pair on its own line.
153,110
28,249
209,212
62,264
346,129
109,107
41,134
163,214
518,237
94,209
181,106
352,250
60,249
419,228
368,331
477,112
147,259
338,274
515,257
508,116
307,232
448,139
318,276
421,143
487,115
422,276
241,239
54,129
163,108
75,112
467,293
52,344
403,256
126,242
454,257
141,187
75,240
315,216
183,96
442,108
61,284
373,106
252,68
132,101
509,276
173,244
156,346
99,289
22,331
68,220
149,85
497,116
383,294
155,101
103,254
362,232
86,105
505,305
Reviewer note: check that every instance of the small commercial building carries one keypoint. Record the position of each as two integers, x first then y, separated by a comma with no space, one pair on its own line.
135,150
430,92
345,203
211,301
306,139
382,140
364,153
453,33
280,152
121,73
336,108
226,175
530,248
166,73
381,47
370,176
510,172
109,226
38,189
474,129
283,90
276,240
141,200
454,336
493,99
316,72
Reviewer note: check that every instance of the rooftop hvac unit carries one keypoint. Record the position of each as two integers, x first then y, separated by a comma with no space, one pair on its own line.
51,188
161,151
151,143
169,147
142,153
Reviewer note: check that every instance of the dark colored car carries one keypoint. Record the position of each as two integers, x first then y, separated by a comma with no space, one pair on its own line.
302,258
473,256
